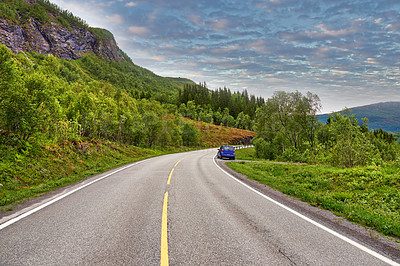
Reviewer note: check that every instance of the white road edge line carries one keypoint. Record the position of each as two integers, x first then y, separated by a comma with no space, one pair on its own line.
363,248
44,205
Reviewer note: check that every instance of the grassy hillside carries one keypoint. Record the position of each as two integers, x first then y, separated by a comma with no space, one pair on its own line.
381,115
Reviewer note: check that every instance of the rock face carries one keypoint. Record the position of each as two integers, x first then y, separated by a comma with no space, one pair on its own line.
53,38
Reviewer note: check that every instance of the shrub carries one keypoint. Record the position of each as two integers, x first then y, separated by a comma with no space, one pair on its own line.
190,134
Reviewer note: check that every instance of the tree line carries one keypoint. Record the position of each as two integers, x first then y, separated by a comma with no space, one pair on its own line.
288,130
219,107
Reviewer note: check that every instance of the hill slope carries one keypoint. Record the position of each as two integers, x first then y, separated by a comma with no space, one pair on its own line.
381,115
38,26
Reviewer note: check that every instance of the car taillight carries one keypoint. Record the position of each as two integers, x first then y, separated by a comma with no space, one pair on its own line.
233,151
222,150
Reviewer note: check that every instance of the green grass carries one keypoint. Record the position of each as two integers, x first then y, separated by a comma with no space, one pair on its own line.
369,196
246,154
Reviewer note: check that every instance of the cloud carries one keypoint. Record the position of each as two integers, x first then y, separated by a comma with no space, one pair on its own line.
393,27
141,31
220,24
130,4
115,19
324,32
372,61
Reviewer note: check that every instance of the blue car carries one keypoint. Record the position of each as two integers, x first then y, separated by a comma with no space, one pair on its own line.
227,152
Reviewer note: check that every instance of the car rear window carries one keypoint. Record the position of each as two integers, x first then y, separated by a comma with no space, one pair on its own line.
228,148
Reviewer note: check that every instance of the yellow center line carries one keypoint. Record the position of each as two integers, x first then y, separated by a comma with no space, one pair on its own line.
164,233
164,223
170,175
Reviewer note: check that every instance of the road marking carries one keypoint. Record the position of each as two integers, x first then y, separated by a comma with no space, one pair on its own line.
164,233
170,175
16,219
164,222
363,248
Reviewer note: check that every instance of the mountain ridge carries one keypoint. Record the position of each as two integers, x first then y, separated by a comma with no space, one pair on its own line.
40,26
385,115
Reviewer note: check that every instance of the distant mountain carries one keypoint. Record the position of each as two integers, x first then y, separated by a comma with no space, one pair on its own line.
381,115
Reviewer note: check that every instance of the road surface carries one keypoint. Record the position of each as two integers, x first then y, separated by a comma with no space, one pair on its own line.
178,209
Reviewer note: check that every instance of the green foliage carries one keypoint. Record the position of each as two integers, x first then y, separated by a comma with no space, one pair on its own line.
138,82
10,12
190,134
397,137
19,11
287,123
102,34
199,103
366,195
351,146
264,149
56,99
246,154
54,113
290,132
38,12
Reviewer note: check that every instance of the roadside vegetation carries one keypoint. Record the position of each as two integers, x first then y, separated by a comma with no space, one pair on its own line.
368,195
288,130
31,169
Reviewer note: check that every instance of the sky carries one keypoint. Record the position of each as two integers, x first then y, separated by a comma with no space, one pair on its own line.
345,51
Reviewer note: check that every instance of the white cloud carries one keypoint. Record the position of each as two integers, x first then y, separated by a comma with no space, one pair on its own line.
130,4
220,25
333,33
393,27
372,61
115,19
142,31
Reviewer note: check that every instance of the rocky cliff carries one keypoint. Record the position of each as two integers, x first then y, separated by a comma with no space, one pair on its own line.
70,42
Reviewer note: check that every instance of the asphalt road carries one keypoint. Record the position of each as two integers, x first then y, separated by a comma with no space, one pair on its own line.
210,219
